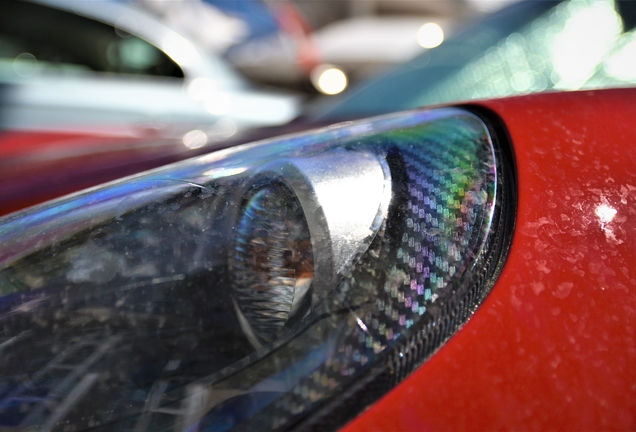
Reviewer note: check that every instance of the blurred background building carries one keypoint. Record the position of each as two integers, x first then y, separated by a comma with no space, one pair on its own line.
319,46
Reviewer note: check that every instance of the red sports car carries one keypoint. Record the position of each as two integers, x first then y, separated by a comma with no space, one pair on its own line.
553,345
463,267
294,282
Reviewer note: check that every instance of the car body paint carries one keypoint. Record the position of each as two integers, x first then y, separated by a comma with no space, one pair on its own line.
36,166
554,344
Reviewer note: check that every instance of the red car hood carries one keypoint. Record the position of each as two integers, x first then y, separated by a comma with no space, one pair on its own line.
37,166
554,344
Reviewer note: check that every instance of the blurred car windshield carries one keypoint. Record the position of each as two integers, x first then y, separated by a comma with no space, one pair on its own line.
529,47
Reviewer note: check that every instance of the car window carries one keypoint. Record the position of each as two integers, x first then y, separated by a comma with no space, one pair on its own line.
35,37
531,47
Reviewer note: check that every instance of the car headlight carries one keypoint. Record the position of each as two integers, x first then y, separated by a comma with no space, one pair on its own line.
282,284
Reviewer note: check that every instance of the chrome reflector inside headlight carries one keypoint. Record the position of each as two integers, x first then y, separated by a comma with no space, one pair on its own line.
275,285
271,263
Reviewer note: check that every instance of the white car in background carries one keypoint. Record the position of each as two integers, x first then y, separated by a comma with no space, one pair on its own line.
105,65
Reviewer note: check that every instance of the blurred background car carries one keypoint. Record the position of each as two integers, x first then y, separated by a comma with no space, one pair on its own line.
104,65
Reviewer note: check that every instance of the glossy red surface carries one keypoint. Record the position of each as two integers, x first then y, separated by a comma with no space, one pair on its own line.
554,345
40,165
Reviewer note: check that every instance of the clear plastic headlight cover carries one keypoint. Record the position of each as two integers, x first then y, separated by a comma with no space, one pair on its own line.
283,284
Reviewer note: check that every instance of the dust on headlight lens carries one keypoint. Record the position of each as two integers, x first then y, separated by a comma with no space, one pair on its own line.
281,284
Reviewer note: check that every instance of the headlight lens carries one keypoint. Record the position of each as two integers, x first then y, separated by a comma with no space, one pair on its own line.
281,284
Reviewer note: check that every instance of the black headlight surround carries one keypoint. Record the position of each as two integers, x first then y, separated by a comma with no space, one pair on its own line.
398,363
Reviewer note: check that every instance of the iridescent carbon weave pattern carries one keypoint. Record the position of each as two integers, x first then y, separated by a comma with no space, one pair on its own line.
418,267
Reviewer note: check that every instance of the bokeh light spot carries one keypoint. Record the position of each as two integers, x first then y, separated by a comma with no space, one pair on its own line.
430,35
195,139
329,80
